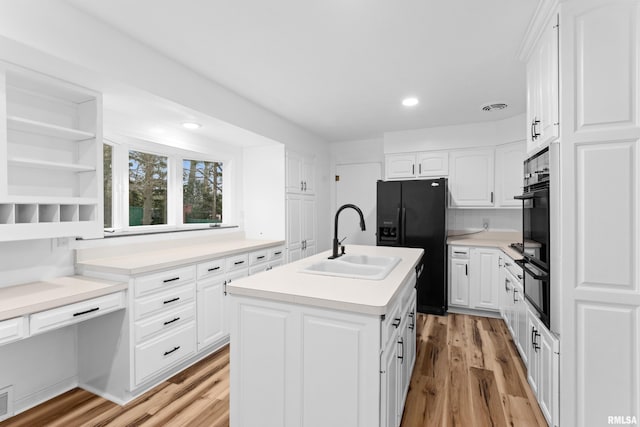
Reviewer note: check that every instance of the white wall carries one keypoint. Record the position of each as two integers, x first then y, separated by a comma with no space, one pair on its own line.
459,136
264,195
467,220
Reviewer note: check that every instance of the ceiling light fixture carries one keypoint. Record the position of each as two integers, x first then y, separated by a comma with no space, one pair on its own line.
410,102
191,125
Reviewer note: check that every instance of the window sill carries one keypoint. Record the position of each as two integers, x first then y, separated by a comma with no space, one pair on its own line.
163,230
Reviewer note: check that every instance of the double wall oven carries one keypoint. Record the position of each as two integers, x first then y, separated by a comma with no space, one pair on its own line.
536,234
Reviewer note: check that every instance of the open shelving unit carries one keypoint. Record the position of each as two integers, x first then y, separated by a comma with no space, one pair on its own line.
51,157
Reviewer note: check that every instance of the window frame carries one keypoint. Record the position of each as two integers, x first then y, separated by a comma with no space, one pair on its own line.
175,157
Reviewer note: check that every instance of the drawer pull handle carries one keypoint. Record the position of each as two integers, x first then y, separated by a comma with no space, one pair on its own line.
214,268
173,279
91,310
171,321
238,262
459,253
277,253
166,353
171,300
260,257
396,322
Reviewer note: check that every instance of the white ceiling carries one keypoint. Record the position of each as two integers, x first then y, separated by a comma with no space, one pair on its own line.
340,68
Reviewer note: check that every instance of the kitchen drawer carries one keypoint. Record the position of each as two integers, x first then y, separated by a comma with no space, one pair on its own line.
258,257
237,275
459,252
264,267
12,330
145,285
156,355
237,262
211,268
164,301
164,322
74,313
276,253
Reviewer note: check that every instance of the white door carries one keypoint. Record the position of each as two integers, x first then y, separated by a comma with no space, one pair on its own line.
294,227
471,178
599,222
509,173
433,164
308,226
211,316
400,166
295,183
548,68
357,185
389,387
484,280
459,284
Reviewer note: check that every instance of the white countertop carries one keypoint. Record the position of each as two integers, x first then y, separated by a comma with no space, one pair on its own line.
493,239
148,261
289,284
33,297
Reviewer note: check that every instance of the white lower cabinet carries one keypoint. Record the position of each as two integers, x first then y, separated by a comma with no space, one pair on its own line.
543,367
473,278
295,365
211,320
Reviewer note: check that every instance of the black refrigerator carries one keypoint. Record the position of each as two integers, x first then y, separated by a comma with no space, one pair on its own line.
414,214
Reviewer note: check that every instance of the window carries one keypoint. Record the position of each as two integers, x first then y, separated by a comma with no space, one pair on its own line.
201,192
107,155
147,189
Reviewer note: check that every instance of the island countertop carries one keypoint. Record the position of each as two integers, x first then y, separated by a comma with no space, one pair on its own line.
289,284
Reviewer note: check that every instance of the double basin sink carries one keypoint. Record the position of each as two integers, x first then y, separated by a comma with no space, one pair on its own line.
355,267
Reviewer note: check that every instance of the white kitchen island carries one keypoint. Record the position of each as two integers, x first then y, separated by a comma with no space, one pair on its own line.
317,350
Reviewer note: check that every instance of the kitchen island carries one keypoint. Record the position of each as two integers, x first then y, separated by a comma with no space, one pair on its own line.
319,350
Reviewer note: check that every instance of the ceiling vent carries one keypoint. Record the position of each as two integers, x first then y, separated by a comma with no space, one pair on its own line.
494,107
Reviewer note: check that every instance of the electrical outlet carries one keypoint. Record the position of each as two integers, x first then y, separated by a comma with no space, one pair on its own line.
485,223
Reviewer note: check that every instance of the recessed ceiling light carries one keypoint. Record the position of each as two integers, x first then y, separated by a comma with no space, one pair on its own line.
192,125
410,102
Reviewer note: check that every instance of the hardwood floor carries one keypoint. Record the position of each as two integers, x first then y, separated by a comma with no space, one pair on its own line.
467,373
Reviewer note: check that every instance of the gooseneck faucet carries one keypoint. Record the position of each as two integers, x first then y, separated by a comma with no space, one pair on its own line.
336,242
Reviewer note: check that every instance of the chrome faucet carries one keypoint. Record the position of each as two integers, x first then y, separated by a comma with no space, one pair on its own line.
336,242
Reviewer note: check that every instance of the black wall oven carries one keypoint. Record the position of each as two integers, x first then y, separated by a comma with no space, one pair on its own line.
536,234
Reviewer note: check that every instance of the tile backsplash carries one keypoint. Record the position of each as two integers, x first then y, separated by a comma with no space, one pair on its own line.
472,219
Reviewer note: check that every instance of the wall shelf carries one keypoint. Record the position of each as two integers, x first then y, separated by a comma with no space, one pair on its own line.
41,128
43,164
51,150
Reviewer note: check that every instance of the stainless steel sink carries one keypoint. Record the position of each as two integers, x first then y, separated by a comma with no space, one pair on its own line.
355,267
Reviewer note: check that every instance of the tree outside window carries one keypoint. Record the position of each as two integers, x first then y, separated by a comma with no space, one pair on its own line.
107,156
147,189
202,191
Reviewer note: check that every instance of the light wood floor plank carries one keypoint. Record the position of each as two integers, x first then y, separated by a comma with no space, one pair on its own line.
468,373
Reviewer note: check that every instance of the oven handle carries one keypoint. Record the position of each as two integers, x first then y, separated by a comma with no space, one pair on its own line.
523,263
525,196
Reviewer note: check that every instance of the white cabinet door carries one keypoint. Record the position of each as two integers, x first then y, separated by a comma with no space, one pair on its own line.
309,224
308,175
521,325
509,172
484,279
433,164
459,282
211,312
400,166
549,79
389,387
471,178
295,183
546,367
534,360
542,90
294,227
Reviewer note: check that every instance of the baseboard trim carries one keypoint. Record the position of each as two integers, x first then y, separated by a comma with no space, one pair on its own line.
34,399
474,312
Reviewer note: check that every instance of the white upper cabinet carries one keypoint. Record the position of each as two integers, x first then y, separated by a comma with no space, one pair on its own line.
299,174
542,90
471,178
509,170
400,166
428,164
50,157
433,164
